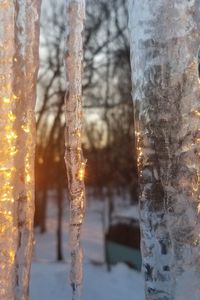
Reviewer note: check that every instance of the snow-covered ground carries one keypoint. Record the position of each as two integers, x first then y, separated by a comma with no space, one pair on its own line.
49,279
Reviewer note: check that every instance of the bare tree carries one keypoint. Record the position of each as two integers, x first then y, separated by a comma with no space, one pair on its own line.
109,142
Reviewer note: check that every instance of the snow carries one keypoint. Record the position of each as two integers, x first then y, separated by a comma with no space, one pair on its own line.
49,279
49,282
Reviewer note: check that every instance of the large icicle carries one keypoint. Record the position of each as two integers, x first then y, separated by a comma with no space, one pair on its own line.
18,68
165,36
73,156
8,148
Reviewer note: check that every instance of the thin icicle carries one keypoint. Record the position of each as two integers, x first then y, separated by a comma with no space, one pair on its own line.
75,162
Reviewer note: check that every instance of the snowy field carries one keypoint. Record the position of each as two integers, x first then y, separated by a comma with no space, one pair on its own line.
49,279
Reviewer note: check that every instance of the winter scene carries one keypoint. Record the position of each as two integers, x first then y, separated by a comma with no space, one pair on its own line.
99,150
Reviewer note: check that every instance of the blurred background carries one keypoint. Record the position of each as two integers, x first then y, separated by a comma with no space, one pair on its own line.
111,231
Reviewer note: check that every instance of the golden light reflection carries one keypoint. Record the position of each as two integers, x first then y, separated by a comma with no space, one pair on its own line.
7,170
12,256
9,100
9,149
6,100
197,113
26,128
14,97
11,116
11,136
13,150
81,172
29,169
28,178
139,149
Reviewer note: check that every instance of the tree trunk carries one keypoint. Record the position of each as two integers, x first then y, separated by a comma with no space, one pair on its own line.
43,209
165,36
59,226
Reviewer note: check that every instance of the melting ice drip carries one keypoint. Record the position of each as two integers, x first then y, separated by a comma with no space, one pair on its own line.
75,162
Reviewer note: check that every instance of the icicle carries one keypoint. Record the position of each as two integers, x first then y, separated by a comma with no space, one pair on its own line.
26,67
75,162
18,45
165,36
8,150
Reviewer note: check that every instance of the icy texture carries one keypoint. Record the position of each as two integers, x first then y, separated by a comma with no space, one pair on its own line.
27,61
18,68
75,162
165,37
8,226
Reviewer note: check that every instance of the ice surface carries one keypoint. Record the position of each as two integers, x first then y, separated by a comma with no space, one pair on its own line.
165,39
73,155
18,71
8,228
27,62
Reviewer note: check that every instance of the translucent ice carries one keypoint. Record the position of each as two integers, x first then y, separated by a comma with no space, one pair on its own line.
18,69
165,37
75,162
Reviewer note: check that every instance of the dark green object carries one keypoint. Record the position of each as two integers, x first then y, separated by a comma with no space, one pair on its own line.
120,253
122,244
